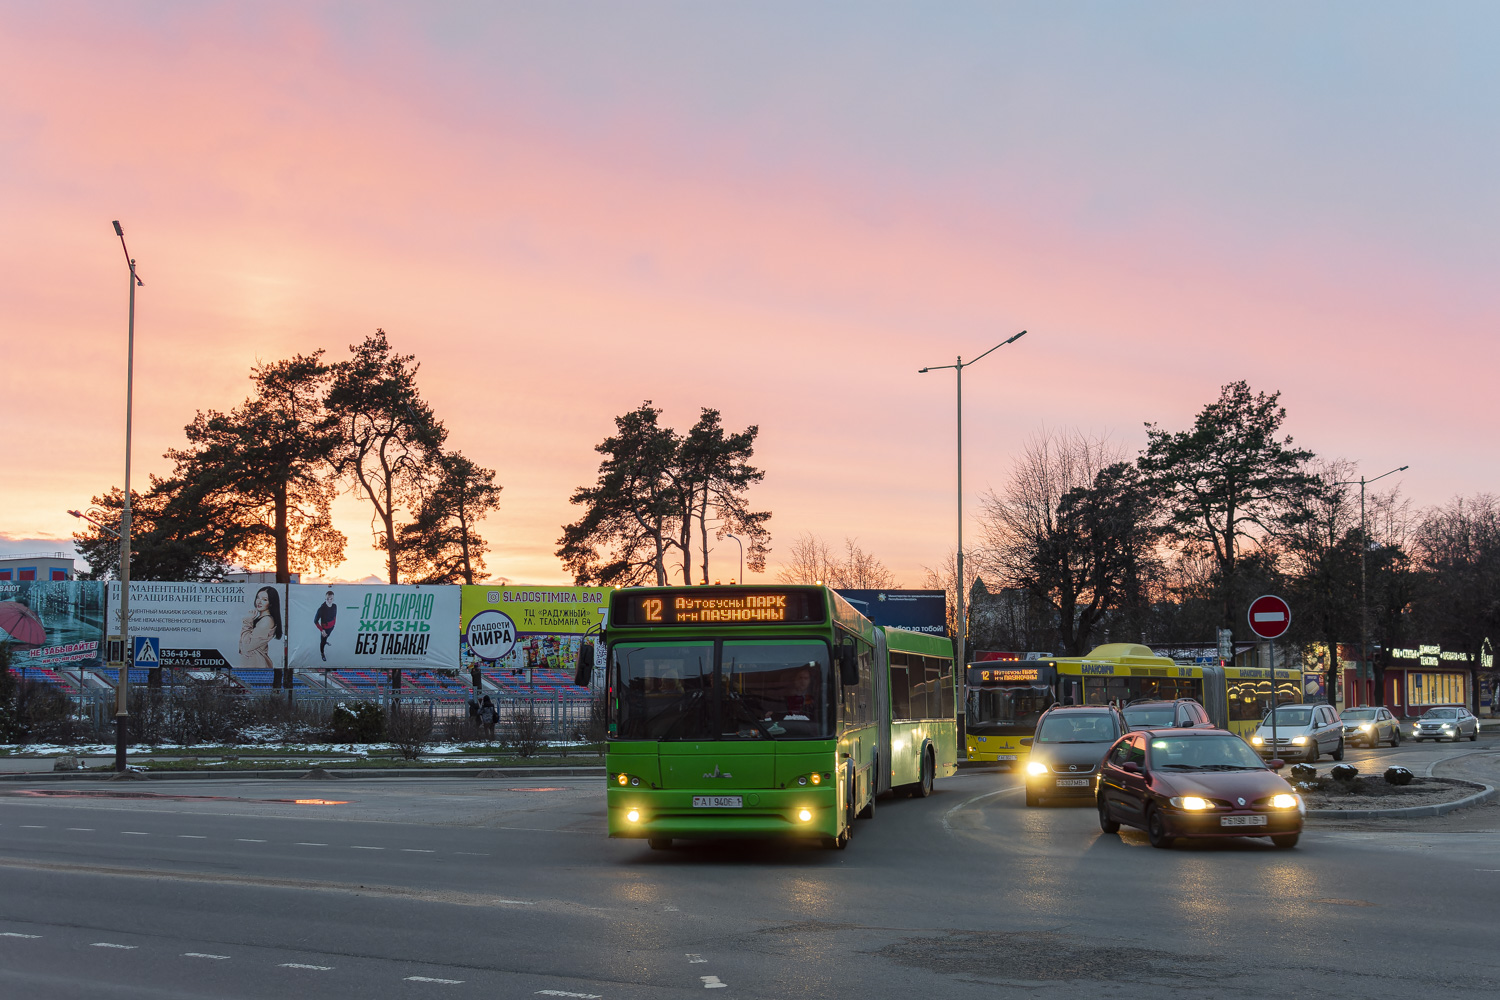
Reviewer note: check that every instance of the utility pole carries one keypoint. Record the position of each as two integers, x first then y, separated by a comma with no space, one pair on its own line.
1364,601
122,712
958,584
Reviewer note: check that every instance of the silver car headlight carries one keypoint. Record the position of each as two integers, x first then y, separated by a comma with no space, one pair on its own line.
1256,741
1299,740
1366,728
1036,767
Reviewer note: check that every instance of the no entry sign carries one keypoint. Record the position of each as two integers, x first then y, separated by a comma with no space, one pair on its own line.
1269,616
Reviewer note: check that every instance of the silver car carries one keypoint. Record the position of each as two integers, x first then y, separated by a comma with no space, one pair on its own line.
1445,724
1304,732
1371,726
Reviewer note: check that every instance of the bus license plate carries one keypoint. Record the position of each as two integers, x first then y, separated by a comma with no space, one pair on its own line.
1005,756
1072,782
718,802
1242,821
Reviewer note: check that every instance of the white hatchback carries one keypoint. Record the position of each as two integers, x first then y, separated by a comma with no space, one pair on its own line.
1304,732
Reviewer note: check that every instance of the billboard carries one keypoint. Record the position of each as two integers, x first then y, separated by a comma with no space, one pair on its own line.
373,627
240,626
917,610
53,623
525,627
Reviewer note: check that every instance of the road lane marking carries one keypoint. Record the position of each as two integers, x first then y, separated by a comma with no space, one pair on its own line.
471,854
416,850
299,965
948,828
303,844
135,833
80,829
111,944
712,983
28,937
32,826
565,993
356,847
191,836
696,959
429,979
248,840
199,954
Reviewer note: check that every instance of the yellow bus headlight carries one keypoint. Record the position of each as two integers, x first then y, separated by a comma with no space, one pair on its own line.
633,816
805,815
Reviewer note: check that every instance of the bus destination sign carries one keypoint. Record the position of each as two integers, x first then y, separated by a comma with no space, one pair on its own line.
717,607
978,675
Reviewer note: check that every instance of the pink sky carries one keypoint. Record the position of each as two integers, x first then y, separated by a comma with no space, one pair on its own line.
779,217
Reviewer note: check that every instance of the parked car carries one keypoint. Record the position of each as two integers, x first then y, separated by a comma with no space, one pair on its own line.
1302,731
1184,713
1371,726
1065,753
1195,783
1445,724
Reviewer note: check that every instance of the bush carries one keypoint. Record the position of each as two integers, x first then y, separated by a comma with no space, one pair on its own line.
286,721
526,730
201,711
364,723
410,729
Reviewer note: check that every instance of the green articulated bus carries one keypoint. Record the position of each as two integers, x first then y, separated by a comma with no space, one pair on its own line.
767,712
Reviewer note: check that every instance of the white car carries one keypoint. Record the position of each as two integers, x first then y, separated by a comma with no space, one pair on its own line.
1304,732
1445,724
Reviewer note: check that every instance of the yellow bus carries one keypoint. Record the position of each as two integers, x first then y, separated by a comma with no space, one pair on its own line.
1007,697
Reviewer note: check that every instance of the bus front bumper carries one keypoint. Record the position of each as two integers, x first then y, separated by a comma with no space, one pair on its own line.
769,813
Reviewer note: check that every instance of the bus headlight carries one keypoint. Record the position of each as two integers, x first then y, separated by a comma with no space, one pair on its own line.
805,815
1283,801
633,816
1036,767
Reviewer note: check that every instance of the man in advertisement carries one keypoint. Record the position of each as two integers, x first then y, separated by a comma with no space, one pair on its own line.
325,618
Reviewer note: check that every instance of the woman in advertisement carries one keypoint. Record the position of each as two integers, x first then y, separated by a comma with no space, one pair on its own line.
258,629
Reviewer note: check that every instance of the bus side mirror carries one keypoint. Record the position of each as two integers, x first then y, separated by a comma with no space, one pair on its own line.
585,671
848,665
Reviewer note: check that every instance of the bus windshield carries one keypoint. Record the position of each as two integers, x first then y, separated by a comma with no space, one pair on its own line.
1003,709
769,690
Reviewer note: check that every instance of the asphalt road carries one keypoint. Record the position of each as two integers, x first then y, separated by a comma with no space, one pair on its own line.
469,888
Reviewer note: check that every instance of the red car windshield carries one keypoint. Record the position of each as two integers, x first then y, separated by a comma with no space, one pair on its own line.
1204,753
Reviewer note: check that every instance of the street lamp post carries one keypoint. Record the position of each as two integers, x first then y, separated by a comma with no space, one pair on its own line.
122,714
958,584
1364,547
742,559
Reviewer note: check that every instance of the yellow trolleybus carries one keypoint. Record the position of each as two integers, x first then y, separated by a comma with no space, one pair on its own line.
1006,697
767,712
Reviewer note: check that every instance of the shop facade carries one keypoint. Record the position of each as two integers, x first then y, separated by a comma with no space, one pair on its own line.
1428,675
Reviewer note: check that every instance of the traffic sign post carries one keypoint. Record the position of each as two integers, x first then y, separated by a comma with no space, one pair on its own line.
1270,617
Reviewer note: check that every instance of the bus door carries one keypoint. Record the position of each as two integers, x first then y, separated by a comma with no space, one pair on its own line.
881,674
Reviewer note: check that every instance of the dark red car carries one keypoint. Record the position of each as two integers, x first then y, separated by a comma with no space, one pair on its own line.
1195,783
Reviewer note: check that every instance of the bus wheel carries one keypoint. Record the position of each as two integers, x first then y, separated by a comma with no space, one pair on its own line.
659,843
924,784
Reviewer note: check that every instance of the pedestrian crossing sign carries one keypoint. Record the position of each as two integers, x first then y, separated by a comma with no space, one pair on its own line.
147,651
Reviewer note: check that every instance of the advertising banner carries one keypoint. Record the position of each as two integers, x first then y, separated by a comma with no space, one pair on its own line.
520,627
373,627
205,626
52,623
916,610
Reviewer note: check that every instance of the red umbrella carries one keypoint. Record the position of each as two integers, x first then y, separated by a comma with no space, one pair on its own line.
22,624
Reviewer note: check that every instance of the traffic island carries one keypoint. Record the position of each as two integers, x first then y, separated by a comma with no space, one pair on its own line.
1371,797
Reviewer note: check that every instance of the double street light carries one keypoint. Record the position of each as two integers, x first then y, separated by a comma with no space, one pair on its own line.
958,583
1364,547
122,715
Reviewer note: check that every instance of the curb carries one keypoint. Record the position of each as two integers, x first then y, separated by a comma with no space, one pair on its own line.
298,773
1485,794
